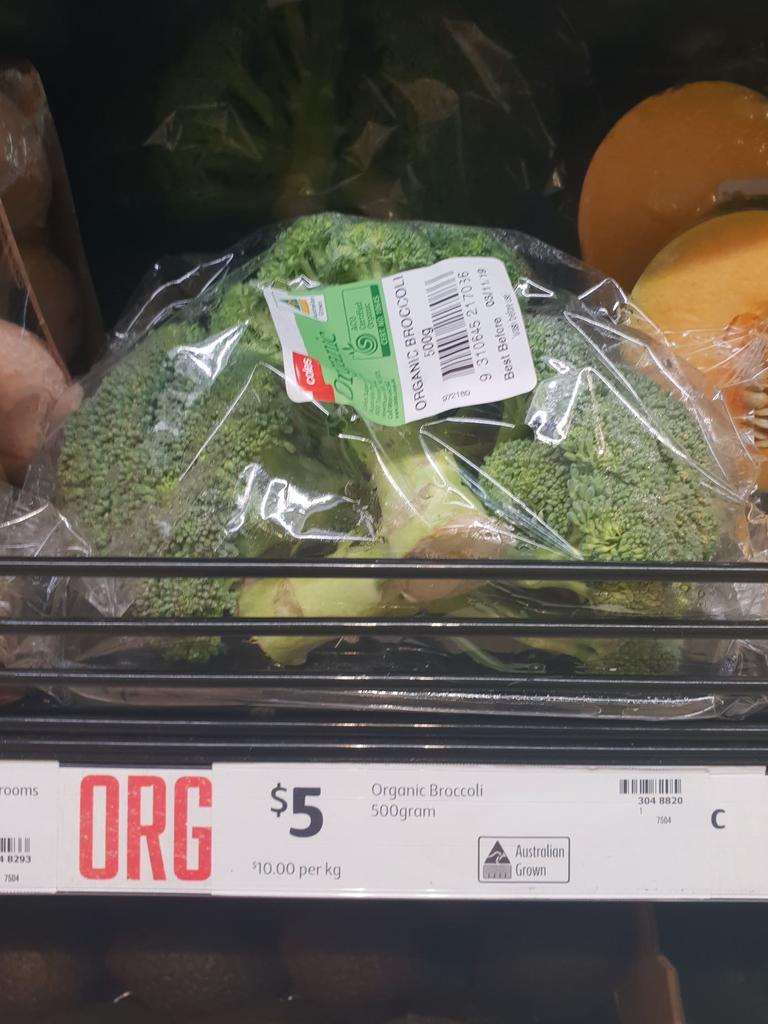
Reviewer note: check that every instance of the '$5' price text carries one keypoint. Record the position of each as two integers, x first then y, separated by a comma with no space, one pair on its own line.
309,820
301,805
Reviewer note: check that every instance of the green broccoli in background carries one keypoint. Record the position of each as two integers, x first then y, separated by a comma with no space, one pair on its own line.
226,145
625,656
189,446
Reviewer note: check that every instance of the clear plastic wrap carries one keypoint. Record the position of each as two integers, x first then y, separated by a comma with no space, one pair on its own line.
732,367
41,225
369,127
251,111
29,528
188,444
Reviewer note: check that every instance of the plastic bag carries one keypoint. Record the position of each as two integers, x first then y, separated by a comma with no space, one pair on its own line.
188,444
42,224
732,368
255,111
48,312
30,528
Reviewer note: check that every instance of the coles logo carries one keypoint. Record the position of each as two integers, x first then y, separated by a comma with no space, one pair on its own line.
309,377
308,370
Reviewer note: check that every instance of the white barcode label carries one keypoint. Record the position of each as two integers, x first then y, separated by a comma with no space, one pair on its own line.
458,336
449,326
29,800
651,787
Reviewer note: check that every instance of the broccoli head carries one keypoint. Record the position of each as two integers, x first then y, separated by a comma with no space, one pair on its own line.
616,467
190,446
528,483
332,248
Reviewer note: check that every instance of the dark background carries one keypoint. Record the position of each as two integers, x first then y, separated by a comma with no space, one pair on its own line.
590,61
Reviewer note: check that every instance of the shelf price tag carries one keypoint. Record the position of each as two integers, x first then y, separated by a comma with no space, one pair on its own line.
28,823
490,832
388,830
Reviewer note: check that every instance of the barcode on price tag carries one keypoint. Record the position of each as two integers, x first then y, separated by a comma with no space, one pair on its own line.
29,799
14,844
458,336
651,787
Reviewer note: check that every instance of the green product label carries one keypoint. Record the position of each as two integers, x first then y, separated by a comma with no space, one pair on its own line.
345,334
409,346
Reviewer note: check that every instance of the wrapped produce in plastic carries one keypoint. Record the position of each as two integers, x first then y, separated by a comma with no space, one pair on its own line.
348,388
703,296
48,312
50,288
261,111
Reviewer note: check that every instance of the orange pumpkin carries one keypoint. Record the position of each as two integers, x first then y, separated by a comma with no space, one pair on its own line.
708,291
665,166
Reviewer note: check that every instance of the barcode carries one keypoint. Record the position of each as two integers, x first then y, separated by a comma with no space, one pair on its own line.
449,326
650,787
14,844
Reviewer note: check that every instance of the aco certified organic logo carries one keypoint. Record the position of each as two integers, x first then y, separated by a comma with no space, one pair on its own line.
366,346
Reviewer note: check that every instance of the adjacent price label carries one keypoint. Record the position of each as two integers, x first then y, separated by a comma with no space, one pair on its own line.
392,830
28,826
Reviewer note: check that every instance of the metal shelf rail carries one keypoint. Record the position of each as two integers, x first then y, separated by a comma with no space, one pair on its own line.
343,712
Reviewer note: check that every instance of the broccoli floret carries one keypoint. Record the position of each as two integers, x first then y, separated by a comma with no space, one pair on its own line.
674,419
332,248
632,657
453,240
371,249
243,305
527,480
601,468
101,477
178,452
556,346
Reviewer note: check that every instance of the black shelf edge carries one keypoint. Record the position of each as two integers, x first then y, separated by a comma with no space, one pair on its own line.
165,739
615,626
495,685
383,568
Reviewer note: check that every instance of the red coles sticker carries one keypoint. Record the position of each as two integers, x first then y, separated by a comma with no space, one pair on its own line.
309,376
